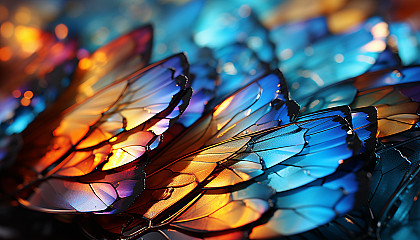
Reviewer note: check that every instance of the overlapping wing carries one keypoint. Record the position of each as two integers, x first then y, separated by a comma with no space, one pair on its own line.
393,91
108,130
260,104
256,211
397,107
243,174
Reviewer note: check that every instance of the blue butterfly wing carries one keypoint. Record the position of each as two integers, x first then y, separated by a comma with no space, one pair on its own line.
331,96
342,111
395,188
365,125
255,195
344,93
344,188
202,78
328,139
396,165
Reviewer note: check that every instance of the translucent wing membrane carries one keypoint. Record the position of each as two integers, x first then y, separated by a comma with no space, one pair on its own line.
228,214
203,76
342,111
130,151
391,209
112,128
329,140
218,211
343,189
243,174
111,191
256,107
250,108
121,107
396,171
397,110
332,96
263,152
365,125
387,77
394,92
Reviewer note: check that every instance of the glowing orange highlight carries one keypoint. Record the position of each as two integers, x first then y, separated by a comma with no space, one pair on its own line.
100,57
5,54
28,94
227,130
26,34
223,106
25,102
16,93
30,69
85,63
61,31
29,38
7,29
23,15
57,48
349,220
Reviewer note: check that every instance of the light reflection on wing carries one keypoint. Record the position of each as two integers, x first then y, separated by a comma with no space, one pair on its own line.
108,130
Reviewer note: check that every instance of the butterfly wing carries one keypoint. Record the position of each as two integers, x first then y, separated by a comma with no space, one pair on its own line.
343,189
365,125
246,213
195,176
397,107
110,129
